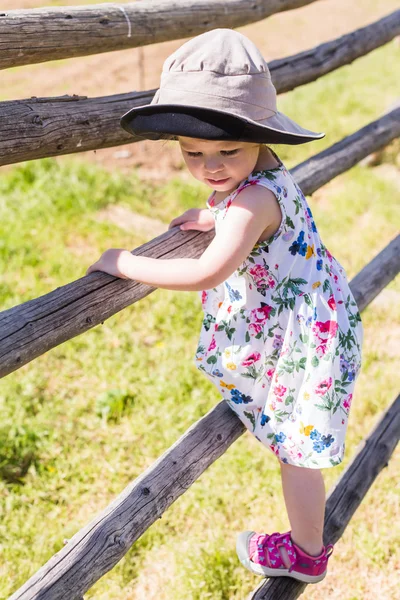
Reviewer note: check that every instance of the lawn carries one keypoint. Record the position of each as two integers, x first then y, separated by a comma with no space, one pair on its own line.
82,421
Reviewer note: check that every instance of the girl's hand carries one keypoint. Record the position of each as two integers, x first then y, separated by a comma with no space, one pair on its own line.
199,219
114,261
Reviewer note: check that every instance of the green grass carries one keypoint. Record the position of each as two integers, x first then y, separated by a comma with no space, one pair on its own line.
82,421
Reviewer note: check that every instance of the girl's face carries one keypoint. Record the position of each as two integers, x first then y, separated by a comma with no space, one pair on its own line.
220,165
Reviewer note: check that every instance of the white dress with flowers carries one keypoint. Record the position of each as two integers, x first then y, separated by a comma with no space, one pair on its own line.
281,337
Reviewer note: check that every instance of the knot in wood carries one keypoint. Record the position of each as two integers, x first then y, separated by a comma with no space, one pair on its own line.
36,120
118,541
219,437
145,491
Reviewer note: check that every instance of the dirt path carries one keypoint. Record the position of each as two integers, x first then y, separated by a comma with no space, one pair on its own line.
117,72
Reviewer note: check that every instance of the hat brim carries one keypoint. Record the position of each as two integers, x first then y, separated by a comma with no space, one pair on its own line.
168,121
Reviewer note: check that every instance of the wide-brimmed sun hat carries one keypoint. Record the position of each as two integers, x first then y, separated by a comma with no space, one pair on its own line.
217,86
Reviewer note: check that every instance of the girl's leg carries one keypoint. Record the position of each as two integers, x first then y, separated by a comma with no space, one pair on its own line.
304,493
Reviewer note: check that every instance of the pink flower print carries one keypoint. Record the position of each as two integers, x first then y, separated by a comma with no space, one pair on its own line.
212,345
259,273
323,386
204,297
284,350
261,314
321,349
325,331
228,203
347,402
280,390
331,302
276,266
251,359
294,454
270,373
271,283
329,327
254,328
216,326
275,450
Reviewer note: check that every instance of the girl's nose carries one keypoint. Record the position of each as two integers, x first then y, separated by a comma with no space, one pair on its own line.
213,165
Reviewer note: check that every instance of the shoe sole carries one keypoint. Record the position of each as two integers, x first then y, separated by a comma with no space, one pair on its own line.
242,550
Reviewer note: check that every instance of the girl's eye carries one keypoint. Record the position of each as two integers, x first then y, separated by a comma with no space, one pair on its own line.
229,152
194,154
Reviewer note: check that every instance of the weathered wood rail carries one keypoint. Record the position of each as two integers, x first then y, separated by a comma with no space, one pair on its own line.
43,34
34,327
346,496
106,539
37,127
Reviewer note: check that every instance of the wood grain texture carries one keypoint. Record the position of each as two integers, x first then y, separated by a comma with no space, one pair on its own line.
38,127
377,274
105,540
288,73
42,34
34,327
340,157
350,490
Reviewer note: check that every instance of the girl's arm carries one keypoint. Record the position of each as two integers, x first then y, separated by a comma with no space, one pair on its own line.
199,219
253,211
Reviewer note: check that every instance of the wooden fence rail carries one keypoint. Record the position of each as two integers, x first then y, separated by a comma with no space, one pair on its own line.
42,34
32,328
106,539
38,127
346,496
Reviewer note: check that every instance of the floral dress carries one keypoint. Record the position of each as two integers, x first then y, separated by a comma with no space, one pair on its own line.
281,337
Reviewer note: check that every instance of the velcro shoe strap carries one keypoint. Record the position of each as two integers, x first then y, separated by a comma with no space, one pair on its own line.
285,541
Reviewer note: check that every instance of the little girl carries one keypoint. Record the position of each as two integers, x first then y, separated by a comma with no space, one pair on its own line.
281,337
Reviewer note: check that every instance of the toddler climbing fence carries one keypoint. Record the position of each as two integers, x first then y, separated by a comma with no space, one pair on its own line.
41,127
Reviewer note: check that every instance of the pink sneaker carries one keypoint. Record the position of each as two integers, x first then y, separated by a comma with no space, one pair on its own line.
260,553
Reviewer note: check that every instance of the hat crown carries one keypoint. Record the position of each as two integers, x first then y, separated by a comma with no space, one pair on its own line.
221,51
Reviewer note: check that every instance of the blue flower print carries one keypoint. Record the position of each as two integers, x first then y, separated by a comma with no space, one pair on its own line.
327,440
299,246
239,398
264,420
234,295
344,365
217,373
312,222
280,437
319,264
315,435
318,446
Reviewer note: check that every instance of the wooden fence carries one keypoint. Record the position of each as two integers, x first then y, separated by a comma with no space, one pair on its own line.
39,127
